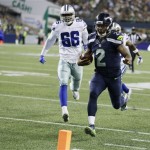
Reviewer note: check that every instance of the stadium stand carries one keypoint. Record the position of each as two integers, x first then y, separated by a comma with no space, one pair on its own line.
126,12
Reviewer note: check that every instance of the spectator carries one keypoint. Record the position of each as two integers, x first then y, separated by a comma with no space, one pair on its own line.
41,37
1,34
135,39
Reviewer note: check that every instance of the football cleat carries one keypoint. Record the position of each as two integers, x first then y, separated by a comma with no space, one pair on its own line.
76,95
124,106
90,130
65,117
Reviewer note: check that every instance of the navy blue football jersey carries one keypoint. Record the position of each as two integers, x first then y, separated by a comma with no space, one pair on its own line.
106,56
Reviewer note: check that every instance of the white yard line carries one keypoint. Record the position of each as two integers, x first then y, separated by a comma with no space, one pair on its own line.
55,69
71,125
48,85
139,140
125,146
21,83
56,100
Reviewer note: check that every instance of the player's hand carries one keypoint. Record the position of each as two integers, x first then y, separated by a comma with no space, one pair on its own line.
127,61
85,60
42,59
139,60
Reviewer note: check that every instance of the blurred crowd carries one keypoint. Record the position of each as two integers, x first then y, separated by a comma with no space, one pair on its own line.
128,10
83,8
121,10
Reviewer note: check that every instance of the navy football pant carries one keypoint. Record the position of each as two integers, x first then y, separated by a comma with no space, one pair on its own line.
97,85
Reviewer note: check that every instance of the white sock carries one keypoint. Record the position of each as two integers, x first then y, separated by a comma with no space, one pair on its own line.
17,42
91,120
64,110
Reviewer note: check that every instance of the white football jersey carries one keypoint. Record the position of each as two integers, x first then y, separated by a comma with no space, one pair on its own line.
125,39
71,39
124,66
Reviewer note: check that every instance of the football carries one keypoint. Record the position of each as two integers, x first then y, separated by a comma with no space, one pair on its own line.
85,59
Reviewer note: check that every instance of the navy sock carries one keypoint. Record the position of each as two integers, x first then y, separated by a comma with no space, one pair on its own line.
125,88
63,95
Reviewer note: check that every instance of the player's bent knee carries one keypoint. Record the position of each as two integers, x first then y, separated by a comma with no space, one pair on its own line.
116,106
93,95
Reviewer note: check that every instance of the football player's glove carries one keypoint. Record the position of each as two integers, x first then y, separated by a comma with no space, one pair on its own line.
139,60
85,60
42,59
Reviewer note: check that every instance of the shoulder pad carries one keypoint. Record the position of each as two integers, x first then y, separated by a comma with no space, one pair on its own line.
78,19
116,36
92,37
55,24
81,22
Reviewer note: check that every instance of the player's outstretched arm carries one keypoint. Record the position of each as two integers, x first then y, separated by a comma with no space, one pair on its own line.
133,48
49,42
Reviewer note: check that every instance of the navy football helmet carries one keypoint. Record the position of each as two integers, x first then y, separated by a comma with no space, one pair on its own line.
103,24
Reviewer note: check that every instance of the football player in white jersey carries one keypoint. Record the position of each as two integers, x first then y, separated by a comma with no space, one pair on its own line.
72,35
131,47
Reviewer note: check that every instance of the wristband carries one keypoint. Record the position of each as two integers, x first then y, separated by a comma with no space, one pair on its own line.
135,51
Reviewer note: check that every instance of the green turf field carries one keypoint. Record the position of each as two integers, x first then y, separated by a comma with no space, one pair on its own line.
30,114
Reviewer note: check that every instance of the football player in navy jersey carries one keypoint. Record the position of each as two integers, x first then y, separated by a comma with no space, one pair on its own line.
106,46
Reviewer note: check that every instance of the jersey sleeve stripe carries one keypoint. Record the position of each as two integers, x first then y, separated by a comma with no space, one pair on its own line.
114,41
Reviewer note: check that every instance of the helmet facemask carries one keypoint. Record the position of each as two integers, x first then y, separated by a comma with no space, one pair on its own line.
67,18
103,24
102,29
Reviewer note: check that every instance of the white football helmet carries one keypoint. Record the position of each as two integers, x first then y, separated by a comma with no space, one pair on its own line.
67,14
116,27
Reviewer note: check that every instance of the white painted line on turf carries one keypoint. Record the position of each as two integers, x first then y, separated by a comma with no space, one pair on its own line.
74,102
22,73
124,146
139,140
33,84
72,125
21,83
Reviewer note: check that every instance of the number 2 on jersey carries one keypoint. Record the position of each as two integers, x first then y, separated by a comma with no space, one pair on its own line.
70,39
100,54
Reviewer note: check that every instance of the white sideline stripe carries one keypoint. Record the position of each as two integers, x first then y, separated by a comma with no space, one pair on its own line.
139,140
124,146
54,70
27,68
44,85
72,125
74,102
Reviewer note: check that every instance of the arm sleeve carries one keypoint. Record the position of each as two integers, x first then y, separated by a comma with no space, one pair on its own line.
85,36
139,37
49,42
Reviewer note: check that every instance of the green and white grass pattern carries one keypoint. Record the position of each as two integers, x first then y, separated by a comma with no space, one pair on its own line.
30,114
